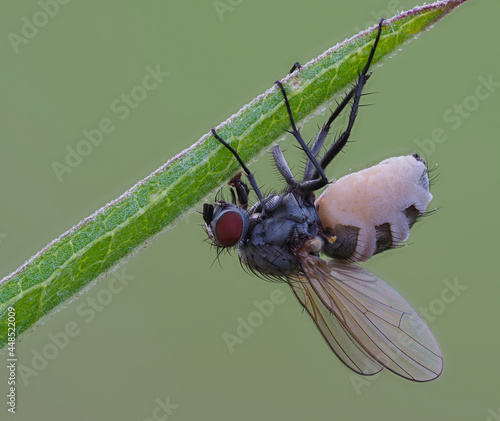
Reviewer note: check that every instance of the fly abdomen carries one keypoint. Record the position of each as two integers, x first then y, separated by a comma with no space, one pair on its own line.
370,211
344,243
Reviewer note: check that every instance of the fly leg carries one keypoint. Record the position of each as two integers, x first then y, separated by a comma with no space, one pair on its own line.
250,176
321,137
309,185
356,93
314,176
296,66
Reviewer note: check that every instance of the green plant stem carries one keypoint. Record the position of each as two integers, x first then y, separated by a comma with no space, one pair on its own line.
97,244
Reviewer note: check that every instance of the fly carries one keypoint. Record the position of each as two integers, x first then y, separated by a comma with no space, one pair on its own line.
366,323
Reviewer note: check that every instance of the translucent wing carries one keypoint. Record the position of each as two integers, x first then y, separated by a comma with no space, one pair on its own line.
350,352
385,328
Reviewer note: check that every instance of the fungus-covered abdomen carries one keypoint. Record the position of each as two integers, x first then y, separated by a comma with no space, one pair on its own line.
373,210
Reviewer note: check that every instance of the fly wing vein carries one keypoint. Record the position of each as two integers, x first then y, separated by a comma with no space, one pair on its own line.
349,351
379,319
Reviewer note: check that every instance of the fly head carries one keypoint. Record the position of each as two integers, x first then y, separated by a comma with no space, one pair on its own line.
226,223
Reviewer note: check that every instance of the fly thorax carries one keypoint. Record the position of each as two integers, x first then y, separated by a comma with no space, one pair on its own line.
370,211
274,233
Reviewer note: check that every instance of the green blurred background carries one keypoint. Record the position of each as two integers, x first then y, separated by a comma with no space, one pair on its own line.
160,339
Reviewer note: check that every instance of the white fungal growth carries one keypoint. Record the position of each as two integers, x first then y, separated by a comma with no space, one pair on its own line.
376,196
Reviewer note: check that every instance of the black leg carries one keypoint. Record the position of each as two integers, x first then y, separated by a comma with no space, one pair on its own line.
296,66
250,176
283,167
317,179
320,138
295,132
356,92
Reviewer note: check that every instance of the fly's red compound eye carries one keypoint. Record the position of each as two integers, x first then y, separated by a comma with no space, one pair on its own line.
229,228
